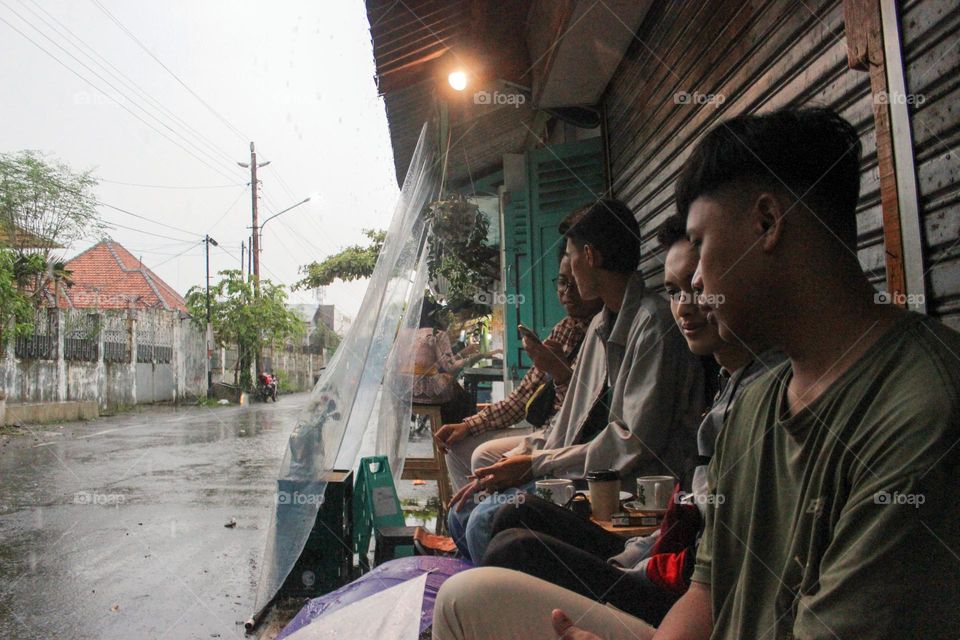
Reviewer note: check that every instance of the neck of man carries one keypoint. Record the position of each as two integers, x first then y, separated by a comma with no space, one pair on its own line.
835,320
613,287
733,358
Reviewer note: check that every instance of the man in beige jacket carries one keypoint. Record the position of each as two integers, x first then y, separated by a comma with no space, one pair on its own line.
634,368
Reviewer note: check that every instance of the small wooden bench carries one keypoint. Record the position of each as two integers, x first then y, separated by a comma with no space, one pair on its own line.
434,468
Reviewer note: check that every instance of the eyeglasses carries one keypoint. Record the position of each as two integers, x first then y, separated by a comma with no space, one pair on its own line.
563,285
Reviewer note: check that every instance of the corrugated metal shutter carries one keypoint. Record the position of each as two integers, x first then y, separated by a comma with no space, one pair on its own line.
728,58
560,178
932,60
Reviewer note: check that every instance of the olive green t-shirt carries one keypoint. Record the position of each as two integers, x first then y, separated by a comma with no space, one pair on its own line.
842,521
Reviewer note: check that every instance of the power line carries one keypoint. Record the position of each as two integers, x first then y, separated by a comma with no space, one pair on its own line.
224,215
170,186
137,215
99,202
158,253
148,233
89,82
159,264
232,255
310,249
168,70
122,77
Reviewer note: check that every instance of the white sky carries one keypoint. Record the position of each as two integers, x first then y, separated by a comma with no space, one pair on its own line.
296,77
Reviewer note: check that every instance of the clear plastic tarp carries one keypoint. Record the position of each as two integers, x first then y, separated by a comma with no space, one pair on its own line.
367,371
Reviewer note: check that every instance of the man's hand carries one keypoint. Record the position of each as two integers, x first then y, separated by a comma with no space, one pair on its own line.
509,472
449,434
548,356
563,627
461,497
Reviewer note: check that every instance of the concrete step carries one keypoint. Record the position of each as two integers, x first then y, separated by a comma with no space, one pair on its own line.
44,412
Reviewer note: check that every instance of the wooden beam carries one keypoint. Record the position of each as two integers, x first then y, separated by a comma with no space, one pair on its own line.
863,26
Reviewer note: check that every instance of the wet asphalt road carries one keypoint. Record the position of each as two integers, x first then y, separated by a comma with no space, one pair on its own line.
114,529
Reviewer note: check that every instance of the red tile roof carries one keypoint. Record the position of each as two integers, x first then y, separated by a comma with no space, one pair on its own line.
107,276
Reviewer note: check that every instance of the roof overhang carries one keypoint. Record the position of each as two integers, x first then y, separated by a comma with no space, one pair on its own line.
579,45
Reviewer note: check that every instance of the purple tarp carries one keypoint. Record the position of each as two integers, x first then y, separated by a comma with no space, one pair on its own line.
387,575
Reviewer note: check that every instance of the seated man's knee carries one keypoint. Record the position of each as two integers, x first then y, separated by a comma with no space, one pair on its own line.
484,454
511,548
470,587
510,516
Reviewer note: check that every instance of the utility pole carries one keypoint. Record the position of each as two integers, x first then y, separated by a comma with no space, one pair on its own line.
254,193
255,241
254,198
243,250
207,241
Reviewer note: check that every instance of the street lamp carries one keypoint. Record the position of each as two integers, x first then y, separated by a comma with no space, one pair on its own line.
294,206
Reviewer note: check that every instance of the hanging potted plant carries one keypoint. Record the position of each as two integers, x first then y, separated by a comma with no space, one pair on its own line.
459,252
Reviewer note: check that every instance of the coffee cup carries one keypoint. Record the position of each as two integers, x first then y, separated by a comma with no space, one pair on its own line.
555,490
604,492
653,492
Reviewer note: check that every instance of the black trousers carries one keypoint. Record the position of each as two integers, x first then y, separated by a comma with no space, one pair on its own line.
554,544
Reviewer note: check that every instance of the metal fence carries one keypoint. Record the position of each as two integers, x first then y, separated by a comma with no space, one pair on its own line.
41,343
116,338
81,335
154,340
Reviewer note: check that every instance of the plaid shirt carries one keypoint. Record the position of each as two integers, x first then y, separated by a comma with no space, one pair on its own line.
569,333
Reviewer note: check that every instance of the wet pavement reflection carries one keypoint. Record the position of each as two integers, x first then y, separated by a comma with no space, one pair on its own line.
115,528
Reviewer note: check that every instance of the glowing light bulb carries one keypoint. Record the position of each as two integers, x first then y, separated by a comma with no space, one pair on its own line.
458,80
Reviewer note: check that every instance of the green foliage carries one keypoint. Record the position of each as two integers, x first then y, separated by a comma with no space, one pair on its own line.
44,204
16,305
459,252
352,263
284,384
324,337
240,317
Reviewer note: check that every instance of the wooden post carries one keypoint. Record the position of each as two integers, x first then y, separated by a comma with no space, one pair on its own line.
864,32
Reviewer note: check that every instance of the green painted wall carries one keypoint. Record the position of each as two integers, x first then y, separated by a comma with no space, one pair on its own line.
560,178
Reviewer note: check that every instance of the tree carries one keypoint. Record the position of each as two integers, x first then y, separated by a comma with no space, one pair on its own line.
352,263
323,337
16,306
240,317
459,255
44,206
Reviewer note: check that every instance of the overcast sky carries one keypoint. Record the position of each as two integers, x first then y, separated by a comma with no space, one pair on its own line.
296,77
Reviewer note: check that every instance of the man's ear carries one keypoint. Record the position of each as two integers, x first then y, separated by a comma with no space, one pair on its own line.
769,217
594,258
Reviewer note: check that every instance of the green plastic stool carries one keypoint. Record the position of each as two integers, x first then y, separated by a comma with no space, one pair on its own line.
375,506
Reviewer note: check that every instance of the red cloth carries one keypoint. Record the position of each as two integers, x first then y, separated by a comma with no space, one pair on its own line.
671,560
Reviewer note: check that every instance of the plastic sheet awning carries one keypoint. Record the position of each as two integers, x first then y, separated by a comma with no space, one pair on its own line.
364,382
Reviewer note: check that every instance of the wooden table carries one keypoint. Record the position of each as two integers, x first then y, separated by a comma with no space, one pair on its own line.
625,532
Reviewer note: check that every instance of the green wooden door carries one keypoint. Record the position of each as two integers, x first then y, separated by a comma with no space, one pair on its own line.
560,178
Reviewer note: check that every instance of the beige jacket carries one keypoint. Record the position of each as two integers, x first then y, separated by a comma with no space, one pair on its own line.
656,401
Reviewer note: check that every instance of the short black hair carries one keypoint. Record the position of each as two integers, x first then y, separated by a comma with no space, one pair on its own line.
813,153
610,227
672,231
569,220
430,314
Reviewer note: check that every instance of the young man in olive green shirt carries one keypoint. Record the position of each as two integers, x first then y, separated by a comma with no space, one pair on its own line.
837,501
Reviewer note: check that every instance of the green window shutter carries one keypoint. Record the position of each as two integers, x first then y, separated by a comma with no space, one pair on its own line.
561,178
518,279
